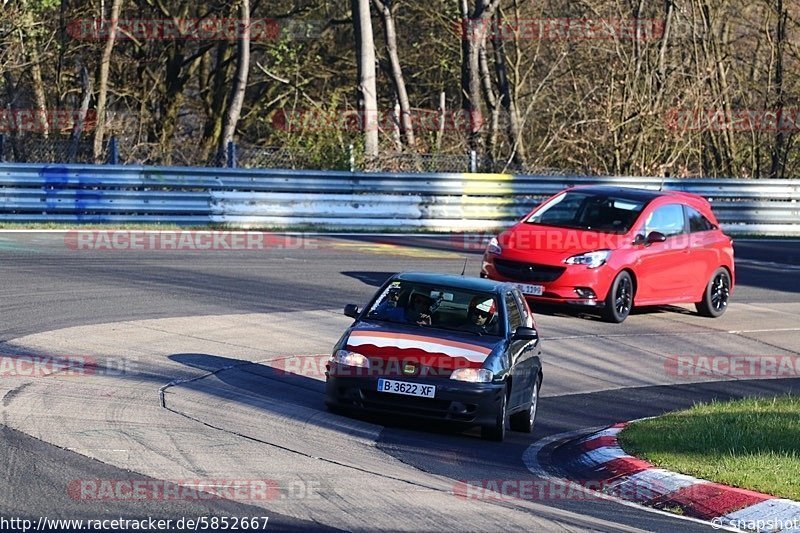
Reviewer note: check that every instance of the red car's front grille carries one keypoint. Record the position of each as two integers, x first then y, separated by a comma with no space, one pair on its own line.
518,271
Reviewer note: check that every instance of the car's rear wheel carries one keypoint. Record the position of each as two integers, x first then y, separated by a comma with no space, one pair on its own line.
619,300
716,295
525,420
497,431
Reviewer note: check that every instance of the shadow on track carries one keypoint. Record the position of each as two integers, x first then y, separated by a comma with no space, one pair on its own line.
373,279
449,452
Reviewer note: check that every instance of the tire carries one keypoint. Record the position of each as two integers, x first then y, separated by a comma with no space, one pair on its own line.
497,431
619,301
716,296
525,420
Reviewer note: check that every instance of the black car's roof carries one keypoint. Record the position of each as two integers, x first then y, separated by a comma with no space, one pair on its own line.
451,280
626,193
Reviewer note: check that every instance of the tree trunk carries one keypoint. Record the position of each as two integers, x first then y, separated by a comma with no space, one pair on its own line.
513,130
77,127
239,84
442,120
38,91
102,89
491,104
396,128
30,46
474,30
777,157
215,103
12,94
384,8
367,92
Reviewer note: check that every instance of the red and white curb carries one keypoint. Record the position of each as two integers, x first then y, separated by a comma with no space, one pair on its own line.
635,480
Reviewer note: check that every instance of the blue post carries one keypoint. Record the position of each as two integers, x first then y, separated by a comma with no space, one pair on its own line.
231,154
113,151
2,148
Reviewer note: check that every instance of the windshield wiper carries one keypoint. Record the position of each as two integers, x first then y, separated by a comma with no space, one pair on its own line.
478,333
378,319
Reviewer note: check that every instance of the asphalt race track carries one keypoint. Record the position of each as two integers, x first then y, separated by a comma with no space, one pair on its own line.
191,350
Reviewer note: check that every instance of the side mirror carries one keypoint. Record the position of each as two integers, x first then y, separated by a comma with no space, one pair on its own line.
655,236
525,334
639,239
351,310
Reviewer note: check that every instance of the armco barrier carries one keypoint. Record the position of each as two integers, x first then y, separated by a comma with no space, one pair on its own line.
344,200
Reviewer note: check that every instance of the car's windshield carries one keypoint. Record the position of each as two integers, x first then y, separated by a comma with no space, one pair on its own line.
589,211
439,307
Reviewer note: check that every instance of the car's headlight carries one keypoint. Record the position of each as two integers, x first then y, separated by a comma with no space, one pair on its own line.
473,375
591,259
494,247
346,357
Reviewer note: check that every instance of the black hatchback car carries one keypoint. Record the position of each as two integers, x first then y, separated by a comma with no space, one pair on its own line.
441,347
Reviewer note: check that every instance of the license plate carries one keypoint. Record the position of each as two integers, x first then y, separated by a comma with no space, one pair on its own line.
409,389
533,290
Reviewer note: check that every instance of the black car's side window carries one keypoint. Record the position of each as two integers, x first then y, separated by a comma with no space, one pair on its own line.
697,222
514,318
527,319
667,219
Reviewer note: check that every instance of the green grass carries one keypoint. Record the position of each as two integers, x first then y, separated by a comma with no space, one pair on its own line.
752,443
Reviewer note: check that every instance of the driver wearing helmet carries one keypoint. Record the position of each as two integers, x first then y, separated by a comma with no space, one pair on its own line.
481,314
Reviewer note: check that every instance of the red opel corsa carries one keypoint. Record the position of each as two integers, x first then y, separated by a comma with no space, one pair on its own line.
612,248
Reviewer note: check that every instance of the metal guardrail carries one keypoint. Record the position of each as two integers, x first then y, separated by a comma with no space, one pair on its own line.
344,200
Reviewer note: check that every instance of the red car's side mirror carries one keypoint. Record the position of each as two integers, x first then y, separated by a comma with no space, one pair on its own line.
655,236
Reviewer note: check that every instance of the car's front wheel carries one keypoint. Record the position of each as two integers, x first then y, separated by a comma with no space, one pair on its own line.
716,295
619,300
524,420
497,431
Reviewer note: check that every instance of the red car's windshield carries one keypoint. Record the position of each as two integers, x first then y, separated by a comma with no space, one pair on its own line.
589,211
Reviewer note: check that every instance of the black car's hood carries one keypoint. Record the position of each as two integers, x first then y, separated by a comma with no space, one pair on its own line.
428,346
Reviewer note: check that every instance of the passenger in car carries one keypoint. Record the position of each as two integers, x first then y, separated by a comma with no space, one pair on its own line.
481,315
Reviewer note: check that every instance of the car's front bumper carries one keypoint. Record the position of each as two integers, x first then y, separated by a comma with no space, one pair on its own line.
564,289
455,401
